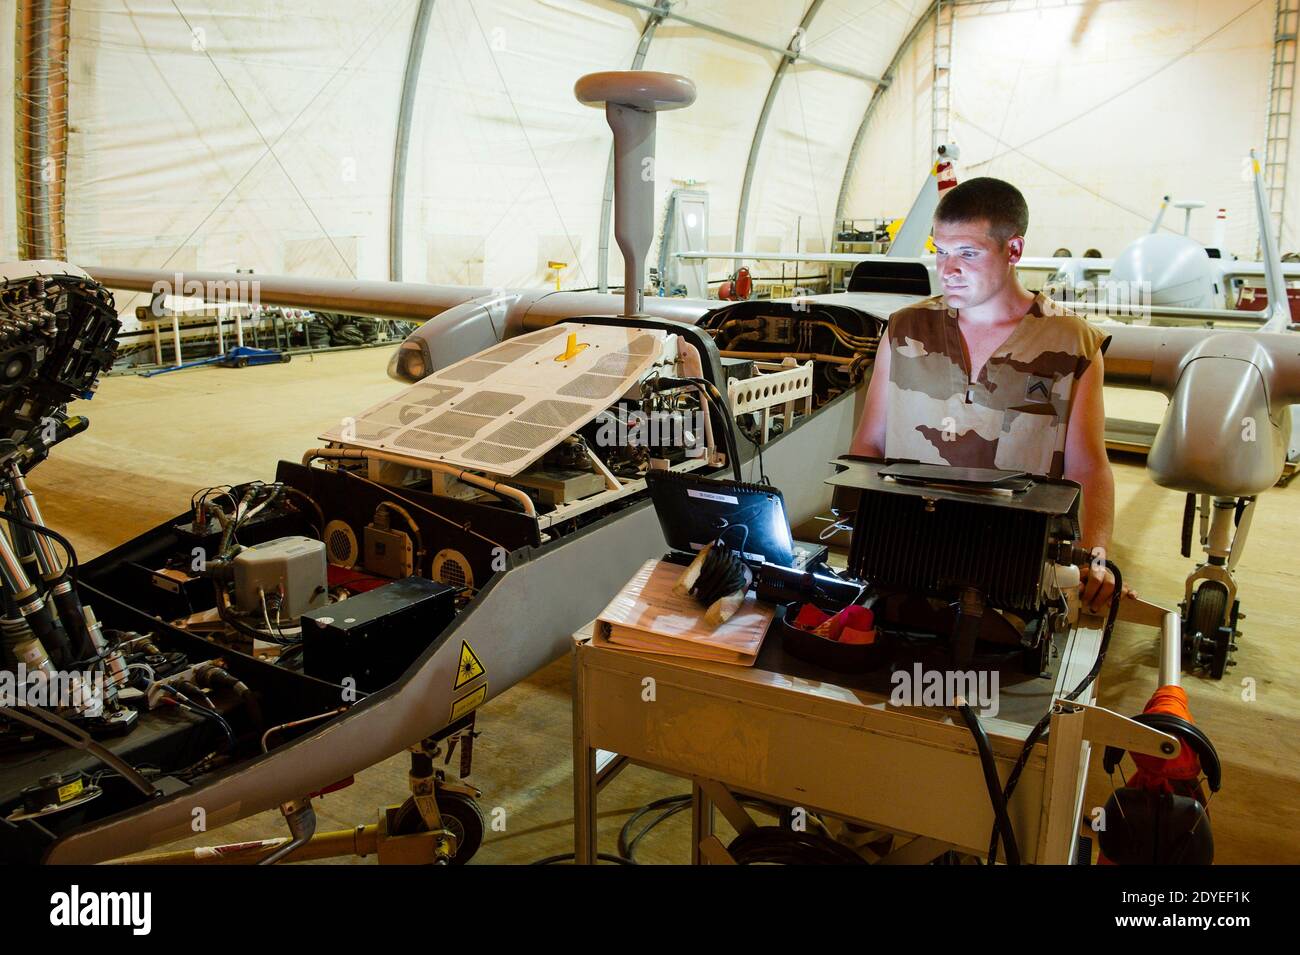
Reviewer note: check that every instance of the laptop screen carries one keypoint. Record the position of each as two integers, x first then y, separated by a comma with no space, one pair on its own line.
695,511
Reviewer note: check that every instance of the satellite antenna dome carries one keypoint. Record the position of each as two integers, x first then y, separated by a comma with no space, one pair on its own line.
1176,270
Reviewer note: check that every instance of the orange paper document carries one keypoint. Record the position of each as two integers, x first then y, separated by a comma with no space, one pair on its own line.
647,616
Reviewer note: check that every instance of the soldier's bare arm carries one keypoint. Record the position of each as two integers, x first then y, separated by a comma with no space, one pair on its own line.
870,436
1086,463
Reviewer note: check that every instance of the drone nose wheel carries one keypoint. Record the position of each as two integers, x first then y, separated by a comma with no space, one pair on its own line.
1209,644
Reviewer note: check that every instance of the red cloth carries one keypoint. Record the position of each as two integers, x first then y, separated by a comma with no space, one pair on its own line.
851,625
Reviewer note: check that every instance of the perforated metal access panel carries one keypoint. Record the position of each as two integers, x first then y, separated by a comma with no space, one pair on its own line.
502,409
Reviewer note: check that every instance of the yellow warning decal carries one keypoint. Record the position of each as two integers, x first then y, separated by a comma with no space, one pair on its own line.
70,791
469,702
469,668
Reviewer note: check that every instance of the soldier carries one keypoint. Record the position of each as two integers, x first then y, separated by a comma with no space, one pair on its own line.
991,375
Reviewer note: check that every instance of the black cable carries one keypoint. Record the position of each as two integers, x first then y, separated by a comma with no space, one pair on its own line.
223,611
722,573
671,805
1041,727
203,711
719,404
570,856
320,515
1002,822
626,846
773,845
23,521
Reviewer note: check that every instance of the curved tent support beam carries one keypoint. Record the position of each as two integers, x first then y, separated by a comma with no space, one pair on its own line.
410,81
930,14
755,144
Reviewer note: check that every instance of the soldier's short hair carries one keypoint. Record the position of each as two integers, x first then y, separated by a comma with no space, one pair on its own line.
995,201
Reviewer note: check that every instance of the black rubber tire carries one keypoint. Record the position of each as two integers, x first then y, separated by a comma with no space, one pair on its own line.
1209,604
461,815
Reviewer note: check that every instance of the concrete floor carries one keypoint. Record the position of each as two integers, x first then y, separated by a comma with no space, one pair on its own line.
152,442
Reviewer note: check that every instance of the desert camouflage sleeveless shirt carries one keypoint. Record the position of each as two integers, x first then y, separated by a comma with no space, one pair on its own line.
1013,416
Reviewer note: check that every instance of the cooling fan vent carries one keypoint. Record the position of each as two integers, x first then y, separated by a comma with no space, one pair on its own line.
341,544
451,568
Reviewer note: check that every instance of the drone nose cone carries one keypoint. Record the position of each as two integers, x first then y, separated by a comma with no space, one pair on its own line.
639,89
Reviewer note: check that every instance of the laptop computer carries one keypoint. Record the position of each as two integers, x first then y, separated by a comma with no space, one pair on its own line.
694,511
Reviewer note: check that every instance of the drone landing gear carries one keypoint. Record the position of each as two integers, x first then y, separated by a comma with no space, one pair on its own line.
1210,606
1208,644
439,824
448,810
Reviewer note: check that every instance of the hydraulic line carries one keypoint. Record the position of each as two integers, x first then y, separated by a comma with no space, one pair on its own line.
52,570
39,615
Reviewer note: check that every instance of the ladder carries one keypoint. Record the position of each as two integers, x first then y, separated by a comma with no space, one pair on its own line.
941,82
1281,93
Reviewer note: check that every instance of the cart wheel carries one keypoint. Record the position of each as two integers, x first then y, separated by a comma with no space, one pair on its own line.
460,814
284,358
1209,604
241,363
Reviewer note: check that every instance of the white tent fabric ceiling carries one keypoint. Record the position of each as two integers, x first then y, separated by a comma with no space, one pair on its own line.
257,135
260,135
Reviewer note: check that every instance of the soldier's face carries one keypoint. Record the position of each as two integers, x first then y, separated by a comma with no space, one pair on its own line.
973,265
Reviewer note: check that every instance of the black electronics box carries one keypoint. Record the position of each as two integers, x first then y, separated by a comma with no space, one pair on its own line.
925,529
374,636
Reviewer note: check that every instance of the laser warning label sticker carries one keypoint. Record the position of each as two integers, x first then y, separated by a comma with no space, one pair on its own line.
469,702
470,667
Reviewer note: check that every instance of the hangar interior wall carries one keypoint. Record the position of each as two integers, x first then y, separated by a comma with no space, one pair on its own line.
1095,111
260,135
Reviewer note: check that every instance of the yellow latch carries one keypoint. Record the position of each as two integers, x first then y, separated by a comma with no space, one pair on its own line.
572,348
558,268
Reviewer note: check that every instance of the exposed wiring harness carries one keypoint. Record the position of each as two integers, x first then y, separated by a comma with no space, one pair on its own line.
183,701
719,405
